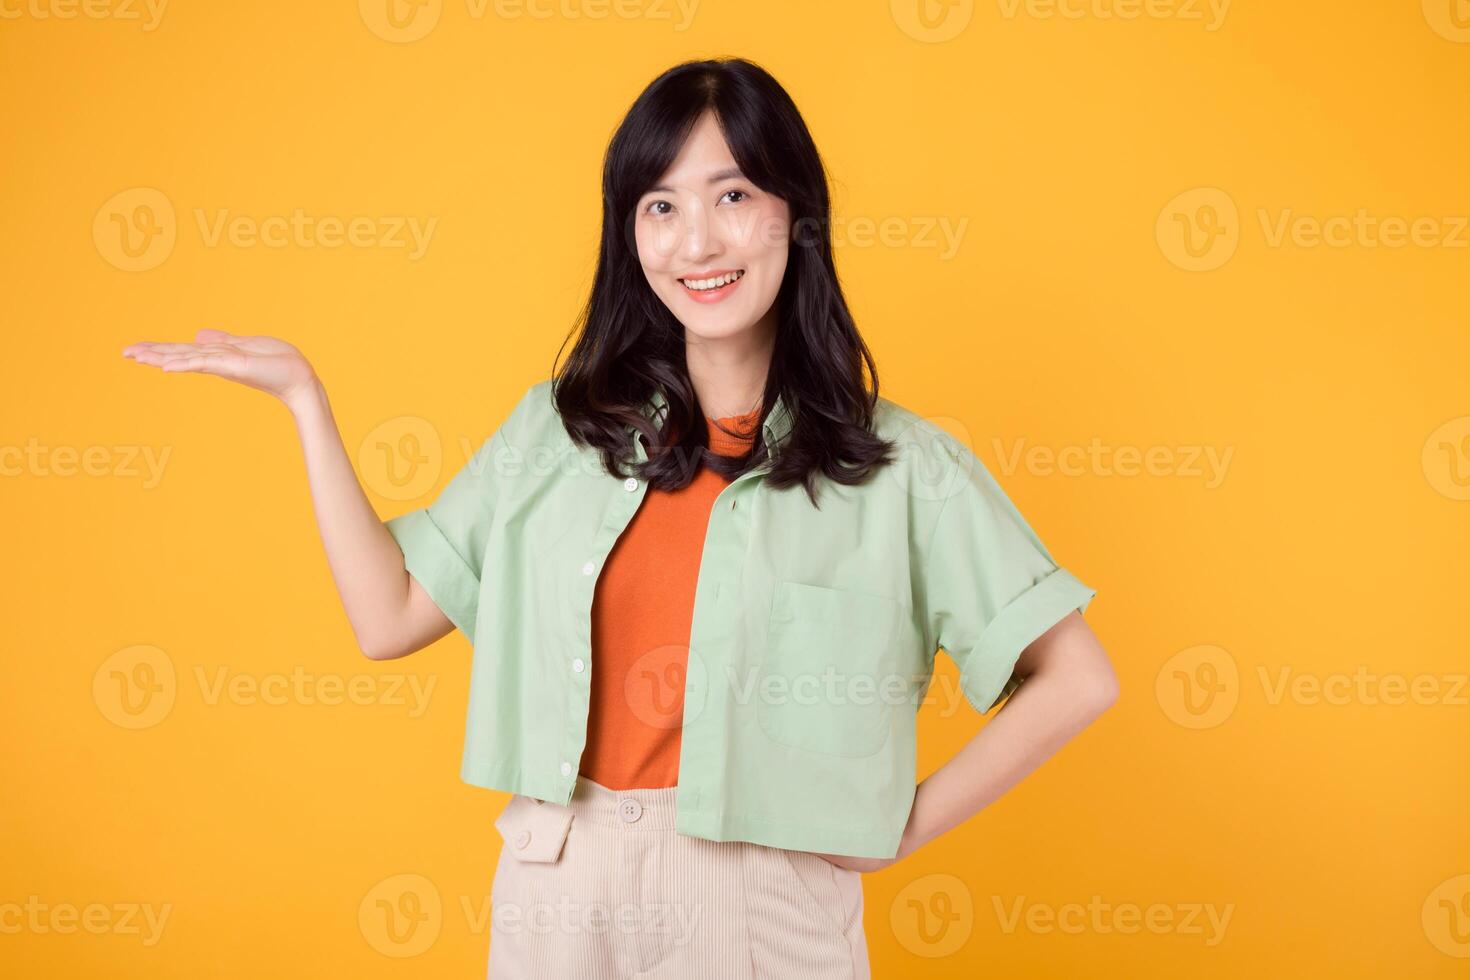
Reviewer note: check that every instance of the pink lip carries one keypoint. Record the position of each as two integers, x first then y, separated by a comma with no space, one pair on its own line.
711,295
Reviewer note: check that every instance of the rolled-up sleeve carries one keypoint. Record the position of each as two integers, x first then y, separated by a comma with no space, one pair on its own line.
444,543
992,587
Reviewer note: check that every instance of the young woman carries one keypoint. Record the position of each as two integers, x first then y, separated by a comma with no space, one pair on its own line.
705,569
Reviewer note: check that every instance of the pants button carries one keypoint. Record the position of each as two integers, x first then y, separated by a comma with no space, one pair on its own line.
630,810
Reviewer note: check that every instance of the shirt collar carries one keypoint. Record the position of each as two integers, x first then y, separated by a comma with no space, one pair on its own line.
776,427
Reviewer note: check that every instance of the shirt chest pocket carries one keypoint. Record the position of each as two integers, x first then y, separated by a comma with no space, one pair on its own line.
829,680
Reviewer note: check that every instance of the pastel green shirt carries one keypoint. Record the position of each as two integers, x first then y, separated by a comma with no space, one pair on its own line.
814,629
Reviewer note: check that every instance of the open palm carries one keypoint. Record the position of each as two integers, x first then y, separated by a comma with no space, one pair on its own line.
265,363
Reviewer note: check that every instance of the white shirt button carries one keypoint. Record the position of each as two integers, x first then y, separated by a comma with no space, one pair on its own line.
630,484
630,810
566,768
522,839
588,568
579,665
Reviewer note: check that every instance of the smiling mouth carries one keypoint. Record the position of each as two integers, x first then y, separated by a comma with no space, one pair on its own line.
717,282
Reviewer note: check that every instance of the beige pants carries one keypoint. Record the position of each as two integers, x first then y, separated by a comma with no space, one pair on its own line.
604,889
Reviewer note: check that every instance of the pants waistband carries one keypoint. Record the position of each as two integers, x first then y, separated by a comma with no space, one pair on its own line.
631,809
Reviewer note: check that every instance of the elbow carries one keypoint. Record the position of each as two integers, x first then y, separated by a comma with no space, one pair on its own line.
371,652
374,648
1103,690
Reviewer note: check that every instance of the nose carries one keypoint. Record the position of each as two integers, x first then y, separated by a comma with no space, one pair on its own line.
698,243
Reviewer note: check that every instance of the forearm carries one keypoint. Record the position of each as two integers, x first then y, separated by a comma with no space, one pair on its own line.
366,563
1056,702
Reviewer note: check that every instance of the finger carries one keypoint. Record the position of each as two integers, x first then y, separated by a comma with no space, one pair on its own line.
199,351
172,347
225,364
191,348
144,355
211,334
159,354
156,347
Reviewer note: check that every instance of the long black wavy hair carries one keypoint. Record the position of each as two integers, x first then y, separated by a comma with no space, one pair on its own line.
631,344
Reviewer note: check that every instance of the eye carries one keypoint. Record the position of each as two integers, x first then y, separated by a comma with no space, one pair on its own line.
649,208
742,194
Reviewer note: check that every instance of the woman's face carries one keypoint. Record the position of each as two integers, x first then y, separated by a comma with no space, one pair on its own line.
701,226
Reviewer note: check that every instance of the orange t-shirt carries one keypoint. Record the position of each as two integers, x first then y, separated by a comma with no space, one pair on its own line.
642,611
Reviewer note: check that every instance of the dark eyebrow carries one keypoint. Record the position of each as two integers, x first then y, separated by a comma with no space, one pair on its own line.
714,178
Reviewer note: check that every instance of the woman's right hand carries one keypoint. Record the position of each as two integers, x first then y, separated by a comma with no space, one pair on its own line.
390,612
264,363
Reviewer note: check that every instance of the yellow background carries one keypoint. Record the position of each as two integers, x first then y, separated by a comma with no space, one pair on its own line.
1075,150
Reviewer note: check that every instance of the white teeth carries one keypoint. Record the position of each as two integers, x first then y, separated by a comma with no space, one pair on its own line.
714,283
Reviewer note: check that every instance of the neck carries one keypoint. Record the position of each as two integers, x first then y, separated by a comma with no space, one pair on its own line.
729,373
